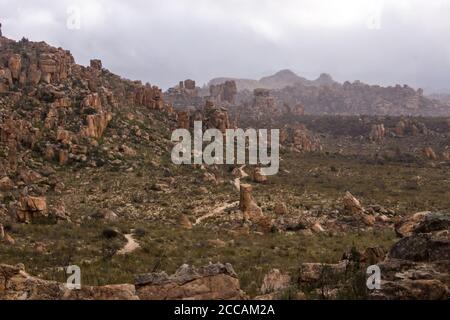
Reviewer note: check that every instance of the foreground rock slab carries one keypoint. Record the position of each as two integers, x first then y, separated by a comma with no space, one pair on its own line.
212,282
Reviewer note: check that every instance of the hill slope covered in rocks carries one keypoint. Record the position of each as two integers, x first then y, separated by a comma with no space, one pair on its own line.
86,179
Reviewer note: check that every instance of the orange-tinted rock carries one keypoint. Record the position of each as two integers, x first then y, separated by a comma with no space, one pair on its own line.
6,184
429,153
15,65
31,207
183,120
250,210
258,177
64,136
377,132
92,101
63,156
352,206
299,139
96,124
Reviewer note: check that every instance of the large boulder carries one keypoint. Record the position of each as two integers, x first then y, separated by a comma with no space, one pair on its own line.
352,206
418,265
405,226
211,282
30,208
250,209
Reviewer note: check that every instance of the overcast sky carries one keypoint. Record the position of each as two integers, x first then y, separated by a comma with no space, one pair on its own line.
376,41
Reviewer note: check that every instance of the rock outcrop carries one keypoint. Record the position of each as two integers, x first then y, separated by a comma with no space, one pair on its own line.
223,93
75,104
377,133
417,265
352,206
30,208
210,115
248,205
212,282
298,138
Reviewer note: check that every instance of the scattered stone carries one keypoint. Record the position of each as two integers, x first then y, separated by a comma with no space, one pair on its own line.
352,206
317,228
406,225
9,240
6,184
429,153
105,214
258,177
185,222
281,208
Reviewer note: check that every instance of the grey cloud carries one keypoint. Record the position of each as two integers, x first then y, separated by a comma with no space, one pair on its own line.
165,41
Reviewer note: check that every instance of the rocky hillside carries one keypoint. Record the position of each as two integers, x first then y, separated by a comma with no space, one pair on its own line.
359,98
57,109
324,96
279,80
86,179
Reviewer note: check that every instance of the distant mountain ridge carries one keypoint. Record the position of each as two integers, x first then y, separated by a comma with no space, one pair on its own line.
279,80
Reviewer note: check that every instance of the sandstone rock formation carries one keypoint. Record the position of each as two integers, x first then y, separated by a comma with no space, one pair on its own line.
377,133
405,226
211,282
223,93
352,206
299,139
185,94
30,208
263,107
417,266
258,177
210,115
247,204
183,120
